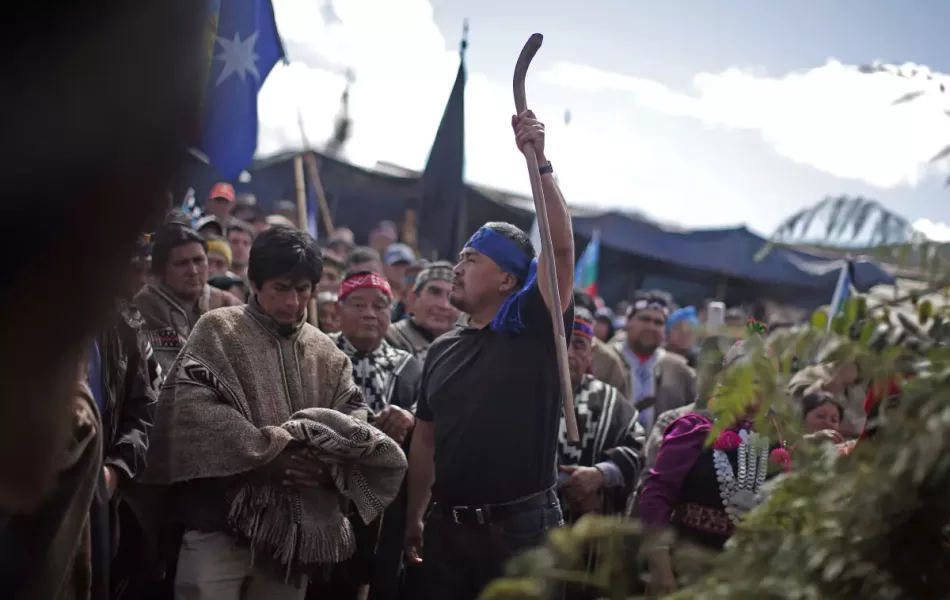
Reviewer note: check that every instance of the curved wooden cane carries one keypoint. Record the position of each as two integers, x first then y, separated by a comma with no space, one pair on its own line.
549,277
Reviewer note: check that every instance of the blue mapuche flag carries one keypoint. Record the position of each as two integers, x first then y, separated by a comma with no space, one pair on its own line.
246,48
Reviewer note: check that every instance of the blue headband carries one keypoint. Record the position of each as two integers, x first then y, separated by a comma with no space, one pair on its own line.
512,260
505,253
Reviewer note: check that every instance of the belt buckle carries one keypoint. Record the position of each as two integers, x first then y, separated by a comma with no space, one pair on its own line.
455,514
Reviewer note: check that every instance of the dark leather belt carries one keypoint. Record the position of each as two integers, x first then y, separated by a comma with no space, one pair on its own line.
487,514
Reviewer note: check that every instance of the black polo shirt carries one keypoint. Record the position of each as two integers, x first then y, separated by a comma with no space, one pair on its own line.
495,401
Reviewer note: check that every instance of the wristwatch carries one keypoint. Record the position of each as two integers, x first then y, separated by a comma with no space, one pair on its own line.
546,169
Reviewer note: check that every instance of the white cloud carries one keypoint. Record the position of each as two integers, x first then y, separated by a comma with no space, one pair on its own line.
832,118
937,232
404,70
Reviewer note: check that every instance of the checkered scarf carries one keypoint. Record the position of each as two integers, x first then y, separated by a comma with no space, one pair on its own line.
374,372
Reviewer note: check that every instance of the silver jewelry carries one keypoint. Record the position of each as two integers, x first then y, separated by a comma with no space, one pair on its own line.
739,490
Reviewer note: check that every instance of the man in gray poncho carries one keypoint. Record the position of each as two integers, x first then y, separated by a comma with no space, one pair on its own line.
246,431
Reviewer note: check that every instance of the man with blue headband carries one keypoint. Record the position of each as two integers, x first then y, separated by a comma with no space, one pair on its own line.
486,435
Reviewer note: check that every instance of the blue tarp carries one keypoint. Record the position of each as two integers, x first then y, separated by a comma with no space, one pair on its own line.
730,252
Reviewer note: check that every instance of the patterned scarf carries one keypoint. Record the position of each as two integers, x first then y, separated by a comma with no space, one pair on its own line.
374,372
609,431
587,424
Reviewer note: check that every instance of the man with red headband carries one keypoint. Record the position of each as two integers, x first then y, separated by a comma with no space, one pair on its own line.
389,380
489,404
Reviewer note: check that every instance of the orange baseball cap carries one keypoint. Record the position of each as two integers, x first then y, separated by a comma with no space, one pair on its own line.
222,190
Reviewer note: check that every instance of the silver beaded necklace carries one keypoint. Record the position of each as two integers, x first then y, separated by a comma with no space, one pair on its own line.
739,490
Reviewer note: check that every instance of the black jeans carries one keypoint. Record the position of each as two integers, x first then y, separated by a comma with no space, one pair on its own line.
460,560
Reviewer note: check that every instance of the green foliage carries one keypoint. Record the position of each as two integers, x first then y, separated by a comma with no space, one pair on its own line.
874,524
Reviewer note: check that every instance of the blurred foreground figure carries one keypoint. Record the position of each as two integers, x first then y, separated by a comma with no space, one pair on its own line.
46,553
98,107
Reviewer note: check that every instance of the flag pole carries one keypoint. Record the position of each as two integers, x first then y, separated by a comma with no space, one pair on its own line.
462,222
314,174
302,223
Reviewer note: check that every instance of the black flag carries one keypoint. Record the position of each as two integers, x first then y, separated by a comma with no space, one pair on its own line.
442,210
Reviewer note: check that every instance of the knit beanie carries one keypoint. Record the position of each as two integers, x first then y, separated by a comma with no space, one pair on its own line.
221,247
437,271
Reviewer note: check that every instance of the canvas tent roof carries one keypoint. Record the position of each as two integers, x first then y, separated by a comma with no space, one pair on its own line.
358,194
729,252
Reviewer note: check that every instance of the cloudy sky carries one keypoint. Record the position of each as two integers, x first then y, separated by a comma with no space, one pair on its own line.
694,112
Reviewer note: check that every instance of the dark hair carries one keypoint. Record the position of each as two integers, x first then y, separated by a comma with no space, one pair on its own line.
242,226
167,238
177,216
256,213
360,255
331,260
604,315
225,282
520,238
284,252
812,401
583,300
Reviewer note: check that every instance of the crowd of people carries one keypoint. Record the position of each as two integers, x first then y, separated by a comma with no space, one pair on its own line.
214,437
268,417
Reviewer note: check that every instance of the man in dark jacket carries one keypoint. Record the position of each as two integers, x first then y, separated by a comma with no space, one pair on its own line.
124,378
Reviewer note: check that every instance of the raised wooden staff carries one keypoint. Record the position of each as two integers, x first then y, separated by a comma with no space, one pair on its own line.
549,277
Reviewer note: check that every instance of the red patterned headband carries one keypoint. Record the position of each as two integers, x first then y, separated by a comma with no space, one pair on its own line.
362,281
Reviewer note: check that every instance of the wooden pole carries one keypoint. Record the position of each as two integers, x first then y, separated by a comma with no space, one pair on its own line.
314,174
410,234
302,223
301,189
549,276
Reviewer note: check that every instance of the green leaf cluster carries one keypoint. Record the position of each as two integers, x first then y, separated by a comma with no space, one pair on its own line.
874,524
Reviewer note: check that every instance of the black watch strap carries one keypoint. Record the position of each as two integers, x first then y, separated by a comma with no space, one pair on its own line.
546,169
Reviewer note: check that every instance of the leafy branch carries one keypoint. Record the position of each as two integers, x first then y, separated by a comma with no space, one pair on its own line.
874,524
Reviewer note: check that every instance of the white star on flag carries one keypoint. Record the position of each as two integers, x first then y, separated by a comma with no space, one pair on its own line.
239,57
